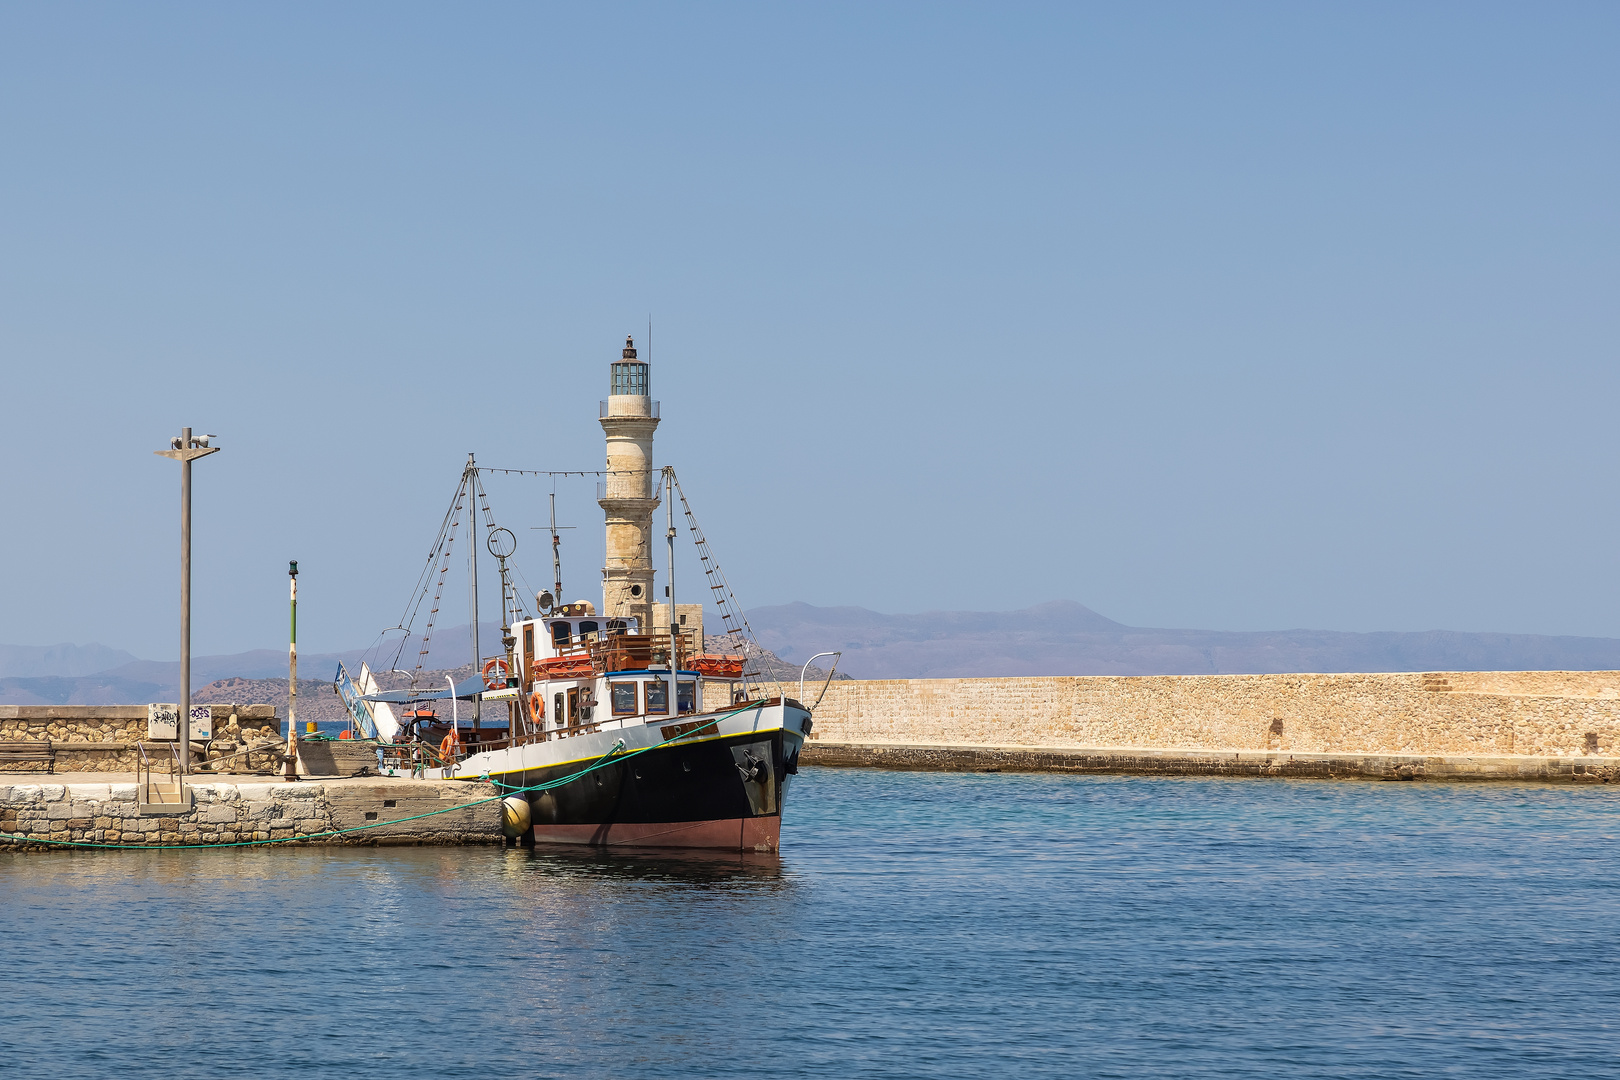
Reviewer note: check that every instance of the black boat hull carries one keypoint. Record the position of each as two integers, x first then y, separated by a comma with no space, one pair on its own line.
722,793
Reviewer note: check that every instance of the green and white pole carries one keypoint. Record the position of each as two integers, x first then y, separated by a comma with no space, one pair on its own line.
292,675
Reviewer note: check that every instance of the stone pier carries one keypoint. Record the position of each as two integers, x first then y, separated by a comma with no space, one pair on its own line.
1150,761
100,808
1476,725
109,738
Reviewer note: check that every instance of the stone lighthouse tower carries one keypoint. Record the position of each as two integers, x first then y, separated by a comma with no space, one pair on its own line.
629,495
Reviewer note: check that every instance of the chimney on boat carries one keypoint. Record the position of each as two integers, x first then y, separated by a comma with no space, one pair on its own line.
628,497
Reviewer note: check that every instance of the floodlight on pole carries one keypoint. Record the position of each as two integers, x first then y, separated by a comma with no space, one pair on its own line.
185,450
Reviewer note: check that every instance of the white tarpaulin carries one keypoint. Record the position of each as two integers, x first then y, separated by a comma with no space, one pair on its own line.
382,713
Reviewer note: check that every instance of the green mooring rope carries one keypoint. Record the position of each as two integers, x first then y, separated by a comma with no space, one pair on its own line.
606,759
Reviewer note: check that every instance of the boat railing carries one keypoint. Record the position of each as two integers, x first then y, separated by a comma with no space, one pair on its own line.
836,657
635,652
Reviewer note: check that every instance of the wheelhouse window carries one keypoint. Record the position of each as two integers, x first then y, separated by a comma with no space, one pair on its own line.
686,696
587,628
657,697
559,633
623,695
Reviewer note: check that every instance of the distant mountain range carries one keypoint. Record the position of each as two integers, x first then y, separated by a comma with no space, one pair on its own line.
1065,638
34,661
1060,638
56,675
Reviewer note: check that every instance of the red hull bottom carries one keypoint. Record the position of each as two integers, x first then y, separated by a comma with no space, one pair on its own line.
730,834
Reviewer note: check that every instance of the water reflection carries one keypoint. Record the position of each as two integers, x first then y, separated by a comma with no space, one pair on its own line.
655,864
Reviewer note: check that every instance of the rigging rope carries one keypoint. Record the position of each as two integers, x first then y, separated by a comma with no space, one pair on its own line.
453,518
722,595
734,621
570,472
518,607
408,618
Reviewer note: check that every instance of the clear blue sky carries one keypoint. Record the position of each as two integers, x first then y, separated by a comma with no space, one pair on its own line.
1232,316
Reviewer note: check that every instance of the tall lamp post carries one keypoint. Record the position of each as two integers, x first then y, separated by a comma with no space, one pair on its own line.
185,450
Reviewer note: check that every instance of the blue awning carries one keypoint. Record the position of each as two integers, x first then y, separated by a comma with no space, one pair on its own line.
466,690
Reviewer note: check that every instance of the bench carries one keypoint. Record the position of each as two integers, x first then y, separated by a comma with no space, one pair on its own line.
29,751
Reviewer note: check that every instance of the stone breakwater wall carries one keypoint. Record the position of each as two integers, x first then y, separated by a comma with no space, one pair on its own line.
103,738
1536,713
228,813
1240,763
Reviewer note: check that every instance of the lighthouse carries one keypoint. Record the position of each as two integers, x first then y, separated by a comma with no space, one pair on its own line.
628,495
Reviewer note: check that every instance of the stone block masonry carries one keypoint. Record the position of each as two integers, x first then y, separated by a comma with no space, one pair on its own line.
103,738
233,813
1504,722
959,757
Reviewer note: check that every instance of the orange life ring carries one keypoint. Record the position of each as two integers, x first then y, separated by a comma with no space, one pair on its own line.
451,745
537,705
491,665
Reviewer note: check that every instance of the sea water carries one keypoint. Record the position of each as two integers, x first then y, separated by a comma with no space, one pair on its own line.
915,924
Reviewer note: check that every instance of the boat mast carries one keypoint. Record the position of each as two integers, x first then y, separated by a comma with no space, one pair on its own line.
674,650
556,554
472,559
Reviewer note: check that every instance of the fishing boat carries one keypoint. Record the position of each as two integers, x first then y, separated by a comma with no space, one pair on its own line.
674,768
611,726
